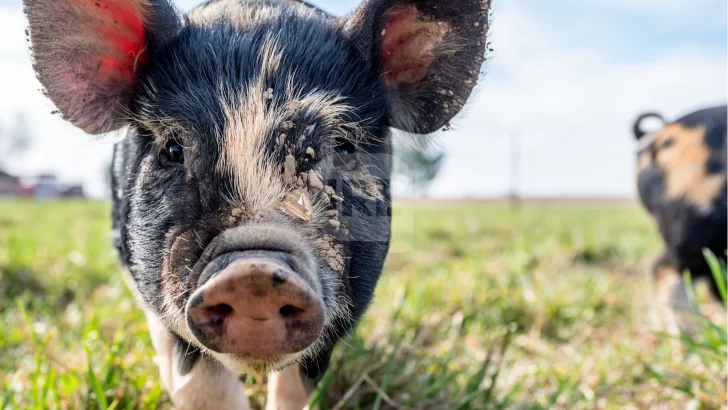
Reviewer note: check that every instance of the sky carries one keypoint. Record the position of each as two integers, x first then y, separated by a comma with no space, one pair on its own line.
566,78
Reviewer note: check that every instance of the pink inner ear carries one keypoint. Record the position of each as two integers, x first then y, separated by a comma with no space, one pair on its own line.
119,30
408,45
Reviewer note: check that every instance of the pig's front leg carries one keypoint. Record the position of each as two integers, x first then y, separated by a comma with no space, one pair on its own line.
287,390
193,381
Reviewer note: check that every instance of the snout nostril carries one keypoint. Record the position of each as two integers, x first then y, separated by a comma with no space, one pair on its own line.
289,311
218,313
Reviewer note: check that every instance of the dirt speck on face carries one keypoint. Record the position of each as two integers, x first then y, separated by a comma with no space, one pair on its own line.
325,200
331,193
334,223
289,170
337,198
367,185
314,181
331,252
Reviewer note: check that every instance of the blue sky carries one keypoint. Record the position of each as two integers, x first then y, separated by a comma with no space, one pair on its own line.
568,76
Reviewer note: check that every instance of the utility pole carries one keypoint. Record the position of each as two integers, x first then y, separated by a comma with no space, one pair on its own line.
515,197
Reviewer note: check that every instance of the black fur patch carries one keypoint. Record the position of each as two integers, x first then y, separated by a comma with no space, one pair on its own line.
313,369
186,356
715,164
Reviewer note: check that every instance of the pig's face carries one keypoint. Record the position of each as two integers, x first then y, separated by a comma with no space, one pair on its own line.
245,171
252,186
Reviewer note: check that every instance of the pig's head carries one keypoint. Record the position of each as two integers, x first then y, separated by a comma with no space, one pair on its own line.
252,184
681,162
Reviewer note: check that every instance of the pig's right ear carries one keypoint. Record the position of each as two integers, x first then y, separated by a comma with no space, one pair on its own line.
427,53
87,53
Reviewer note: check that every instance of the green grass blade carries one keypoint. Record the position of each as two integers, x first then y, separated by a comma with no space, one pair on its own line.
472,389
510,397
50,379
28,322
389,368
689,290
7,398
465,402
388,374
98,390
719,274
318,398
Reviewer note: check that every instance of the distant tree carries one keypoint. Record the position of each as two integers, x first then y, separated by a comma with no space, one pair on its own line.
21,135
16,140
420,165
106,172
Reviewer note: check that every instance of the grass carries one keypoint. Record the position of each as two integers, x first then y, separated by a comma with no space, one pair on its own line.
478,308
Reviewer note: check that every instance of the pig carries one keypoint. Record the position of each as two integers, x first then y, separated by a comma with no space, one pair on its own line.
681,180
250,196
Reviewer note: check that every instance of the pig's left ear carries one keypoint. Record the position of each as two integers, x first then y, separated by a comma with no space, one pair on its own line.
428,54
87,53
637,129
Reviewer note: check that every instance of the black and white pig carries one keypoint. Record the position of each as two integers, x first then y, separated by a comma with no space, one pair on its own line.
681,179
251,190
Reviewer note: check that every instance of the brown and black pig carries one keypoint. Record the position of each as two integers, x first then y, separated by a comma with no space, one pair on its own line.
681,179
251,199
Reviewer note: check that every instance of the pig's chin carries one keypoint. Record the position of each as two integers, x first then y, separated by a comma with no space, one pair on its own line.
252,366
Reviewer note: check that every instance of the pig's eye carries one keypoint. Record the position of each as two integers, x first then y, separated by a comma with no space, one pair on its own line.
173,152
667,143
344,147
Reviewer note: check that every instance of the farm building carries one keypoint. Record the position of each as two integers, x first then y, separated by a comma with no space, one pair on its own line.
44,186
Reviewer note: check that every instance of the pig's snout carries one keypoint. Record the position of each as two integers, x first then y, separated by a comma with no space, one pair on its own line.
256,306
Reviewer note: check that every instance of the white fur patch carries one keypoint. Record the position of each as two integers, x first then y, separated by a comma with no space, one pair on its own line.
254,116
286,391
646,140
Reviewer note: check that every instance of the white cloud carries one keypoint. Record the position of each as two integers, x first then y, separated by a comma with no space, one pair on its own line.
672,7
573,108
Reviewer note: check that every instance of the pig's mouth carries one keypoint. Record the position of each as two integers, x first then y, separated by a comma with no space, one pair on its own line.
256,297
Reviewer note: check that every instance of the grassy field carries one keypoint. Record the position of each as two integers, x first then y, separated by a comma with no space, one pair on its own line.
479,308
